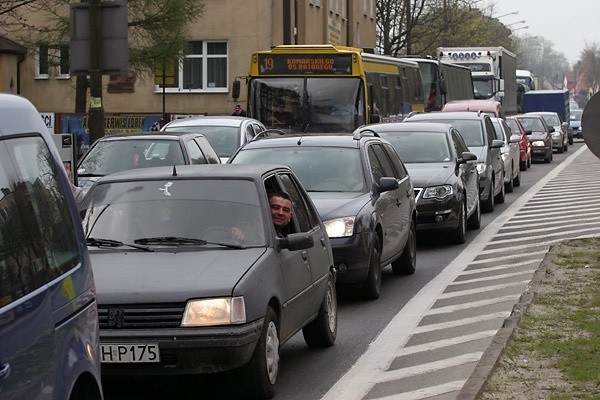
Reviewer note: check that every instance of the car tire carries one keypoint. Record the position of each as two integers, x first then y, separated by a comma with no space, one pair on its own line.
459,235
517,180
548,159
571,140
322,331
529,162
407,263
500,197
371,289
488,205
260,374
508,186
561,149
567,145
523,165
474,221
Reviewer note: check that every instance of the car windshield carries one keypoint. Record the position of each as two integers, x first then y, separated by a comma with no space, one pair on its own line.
483,88
532,124
551,120
110,156
320,169
419,147
470,130
498,130
576,115
135,212
224,139
513,125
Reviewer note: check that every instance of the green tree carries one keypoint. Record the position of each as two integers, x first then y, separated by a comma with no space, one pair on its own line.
157,30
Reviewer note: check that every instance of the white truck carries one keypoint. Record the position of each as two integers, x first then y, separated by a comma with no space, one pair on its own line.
493,70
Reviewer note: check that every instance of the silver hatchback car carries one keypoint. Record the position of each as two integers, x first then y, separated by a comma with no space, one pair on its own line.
225,133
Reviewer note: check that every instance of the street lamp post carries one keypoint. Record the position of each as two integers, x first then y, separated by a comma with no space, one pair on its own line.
514,23
505,15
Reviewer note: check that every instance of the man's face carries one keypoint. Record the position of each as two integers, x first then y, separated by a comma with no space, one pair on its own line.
281,211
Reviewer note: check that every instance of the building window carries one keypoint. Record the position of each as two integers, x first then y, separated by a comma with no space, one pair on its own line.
42,64
204,69
56,57
64,63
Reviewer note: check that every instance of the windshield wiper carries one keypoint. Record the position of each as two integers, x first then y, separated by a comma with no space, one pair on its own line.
97,242
178,240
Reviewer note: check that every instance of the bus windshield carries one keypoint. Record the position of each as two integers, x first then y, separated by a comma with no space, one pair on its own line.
308,104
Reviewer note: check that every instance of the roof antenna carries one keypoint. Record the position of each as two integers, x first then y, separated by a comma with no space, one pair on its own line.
174,170
303,132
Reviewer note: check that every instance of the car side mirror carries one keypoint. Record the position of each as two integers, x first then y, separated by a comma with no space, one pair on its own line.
466,157
374,118
296,241
497,144
385,185
515,138
551,129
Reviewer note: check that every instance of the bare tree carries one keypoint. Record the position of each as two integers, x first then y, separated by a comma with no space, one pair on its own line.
590,66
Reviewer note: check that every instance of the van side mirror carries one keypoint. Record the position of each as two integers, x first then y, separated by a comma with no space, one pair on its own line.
235,89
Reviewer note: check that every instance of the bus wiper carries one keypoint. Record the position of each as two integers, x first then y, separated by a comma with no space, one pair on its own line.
97,242
178,240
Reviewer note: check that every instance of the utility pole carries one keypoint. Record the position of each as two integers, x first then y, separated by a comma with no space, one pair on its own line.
96,109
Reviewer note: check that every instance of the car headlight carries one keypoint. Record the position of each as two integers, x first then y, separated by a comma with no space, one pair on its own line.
538,143
556,134
481,168
340,227
438,192
505,156
219,311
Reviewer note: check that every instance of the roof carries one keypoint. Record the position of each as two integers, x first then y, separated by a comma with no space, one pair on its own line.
203,171
446,115
304,140
220,120
472,105
411,126
18,115
7,46
147,135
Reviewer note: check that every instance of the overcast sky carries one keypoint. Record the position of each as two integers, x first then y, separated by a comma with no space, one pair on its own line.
570,25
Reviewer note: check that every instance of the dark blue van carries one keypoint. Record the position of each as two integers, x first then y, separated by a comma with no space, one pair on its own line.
49,344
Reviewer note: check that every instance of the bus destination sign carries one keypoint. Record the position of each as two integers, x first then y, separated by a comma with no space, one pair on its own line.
305,64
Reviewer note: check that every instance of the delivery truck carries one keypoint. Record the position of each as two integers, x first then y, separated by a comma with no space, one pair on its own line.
493,70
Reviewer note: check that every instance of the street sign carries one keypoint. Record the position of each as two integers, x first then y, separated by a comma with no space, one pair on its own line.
590,124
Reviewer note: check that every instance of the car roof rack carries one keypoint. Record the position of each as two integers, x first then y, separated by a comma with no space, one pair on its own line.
364,132
269,133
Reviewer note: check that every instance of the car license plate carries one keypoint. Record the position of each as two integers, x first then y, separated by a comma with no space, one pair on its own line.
129,353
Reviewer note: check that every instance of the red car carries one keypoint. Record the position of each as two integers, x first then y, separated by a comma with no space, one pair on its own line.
516,128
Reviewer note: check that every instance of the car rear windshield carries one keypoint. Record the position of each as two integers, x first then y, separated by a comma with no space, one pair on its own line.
320,169
470,130
419,147
110,156
532,124
224,139
551,120
195,209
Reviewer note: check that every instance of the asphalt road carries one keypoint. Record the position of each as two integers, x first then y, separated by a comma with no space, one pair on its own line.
308,373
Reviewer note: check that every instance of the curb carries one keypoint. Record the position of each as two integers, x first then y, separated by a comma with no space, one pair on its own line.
474,386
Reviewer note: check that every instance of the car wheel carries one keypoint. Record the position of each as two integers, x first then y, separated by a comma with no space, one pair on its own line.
517,180
322,331
407,263
548,157
499,199
262,369
571,140
372,287
488,205
561,149
529,162
567,145
523,165
459,235
508,186
474,221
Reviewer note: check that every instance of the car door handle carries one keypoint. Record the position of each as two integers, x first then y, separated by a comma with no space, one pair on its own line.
304,255
398,202
323,243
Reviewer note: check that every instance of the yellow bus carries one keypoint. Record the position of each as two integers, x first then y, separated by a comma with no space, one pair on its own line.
326,88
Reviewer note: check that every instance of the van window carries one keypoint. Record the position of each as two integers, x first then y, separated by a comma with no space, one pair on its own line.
36,230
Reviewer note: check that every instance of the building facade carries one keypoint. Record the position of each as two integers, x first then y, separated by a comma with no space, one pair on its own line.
222,41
